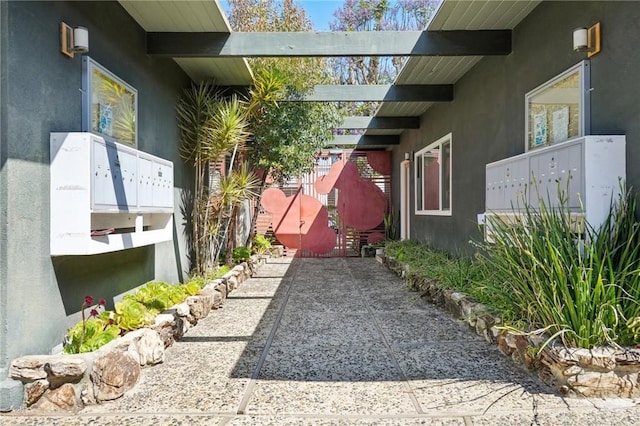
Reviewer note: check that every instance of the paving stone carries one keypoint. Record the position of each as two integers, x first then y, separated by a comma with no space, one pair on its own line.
328,364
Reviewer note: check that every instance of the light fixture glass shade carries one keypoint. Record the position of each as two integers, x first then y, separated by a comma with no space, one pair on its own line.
580,40
407,156
80,40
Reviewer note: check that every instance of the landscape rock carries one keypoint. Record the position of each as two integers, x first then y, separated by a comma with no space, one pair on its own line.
165,326
64,369
34,390
28,368
197,306
182,309
59,399
113,374
144,345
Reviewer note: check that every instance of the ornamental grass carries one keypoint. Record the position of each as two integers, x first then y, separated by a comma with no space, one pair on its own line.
550,271
582,285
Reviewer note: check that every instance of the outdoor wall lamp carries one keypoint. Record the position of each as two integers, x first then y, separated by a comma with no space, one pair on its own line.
407,156
587,40
73,40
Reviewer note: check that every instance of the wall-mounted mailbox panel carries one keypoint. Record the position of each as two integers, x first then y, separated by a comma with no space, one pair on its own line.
106,196
584,172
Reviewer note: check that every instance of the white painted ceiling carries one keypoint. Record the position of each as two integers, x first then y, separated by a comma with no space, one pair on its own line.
192,16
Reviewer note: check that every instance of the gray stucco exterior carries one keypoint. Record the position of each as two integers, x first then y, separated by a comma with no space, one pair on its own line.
40,295
487,117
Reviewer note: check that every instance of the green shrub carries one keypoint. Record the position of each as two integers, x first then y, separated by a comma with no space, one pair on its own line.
241,254
131,315
89,335
582,287
261,244
158,296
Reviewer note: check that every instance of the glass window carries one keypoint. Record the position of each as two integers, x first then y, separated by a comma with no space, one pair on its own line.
558,109
110,106
433,178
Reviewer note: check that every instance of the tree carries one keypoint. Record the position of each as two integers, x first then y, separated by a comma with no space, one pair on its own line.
376,15
210,126
286,135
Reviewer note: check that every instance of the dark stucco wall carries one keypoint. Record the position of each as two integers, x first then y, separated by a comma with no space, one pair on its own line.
486,118
41,295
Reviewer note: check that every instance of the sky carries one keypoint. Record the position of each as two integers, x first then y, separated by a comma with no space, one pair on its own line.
319,11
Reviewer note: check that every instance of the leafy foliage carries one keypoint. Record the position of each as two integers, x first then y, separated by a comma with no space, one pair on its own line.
376,15
261,244
90,335
460,274
241,254
133,312
582,286
131,315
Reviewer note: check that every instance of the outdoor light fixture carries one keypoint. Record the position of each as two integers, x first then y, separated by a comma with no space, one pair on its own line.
407,156
73,40
587,40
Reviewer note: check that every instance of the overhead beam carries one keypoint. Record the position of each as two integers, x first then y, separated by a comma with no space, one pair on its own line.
380,123
334,44
382,93
360,140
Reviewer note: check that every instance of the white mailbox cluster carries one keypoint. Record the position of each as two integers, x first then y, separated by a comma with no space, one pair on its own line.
106,196
587,170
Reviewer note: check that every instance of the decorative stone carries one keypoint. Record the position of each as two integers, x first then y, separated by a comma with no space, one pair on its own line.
62,398
232,283
222,289
628,357
495,330
218,300
64,369
150,348
182,309
145,345
34,390
28,368
198,306
113,374
86,395
166,331
207,297
572,371
597,384
503,346
453,304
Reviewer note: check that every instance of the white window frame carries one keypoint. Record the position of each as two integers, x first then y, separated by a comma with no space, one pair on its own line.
89,110
440,212
582,69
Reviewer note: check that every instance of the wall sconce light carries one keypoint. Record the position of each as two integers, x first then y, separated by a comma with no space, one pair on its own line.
587,40
407,156
73,40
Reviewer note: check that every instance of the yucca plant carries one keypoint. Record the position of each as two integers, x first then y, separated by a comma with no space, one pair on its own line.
210,127
580,286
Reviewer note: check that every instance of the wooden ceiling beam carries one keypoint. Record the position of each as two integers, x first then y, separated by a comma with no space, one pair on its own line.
329,44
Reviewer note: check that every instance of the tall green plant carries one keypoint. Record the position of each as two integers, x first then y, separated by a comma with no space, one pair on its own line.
211,126
583,287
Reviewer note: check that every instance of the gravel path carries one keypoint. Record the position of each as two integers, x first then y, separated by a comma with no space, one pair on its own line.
332,342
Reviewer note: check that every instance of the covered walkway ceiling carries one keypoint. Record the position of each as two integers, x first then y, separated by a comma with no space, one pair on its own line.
198,36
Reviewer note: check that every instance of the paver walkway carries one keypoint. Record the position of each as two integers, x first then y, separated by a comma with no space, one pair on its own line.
336,341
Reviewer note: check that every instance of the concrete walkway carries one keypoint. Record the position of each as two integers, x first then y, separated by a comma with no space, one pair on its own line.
336,341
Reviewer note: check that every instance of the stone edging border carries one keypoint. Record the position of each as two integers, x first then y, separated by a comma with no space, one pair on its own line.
69,382
599,372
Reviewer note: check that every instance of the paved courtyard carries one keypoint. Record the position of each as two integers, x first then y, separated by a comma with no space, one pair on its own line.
336,341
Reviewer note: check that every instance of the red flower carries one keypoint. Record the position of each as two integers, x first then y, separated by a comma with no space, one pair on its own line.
94,312
102,301
88,300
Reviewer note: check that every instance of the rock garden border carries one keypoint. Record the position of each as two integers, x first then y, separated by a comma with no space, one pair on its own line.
65,382
599,372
